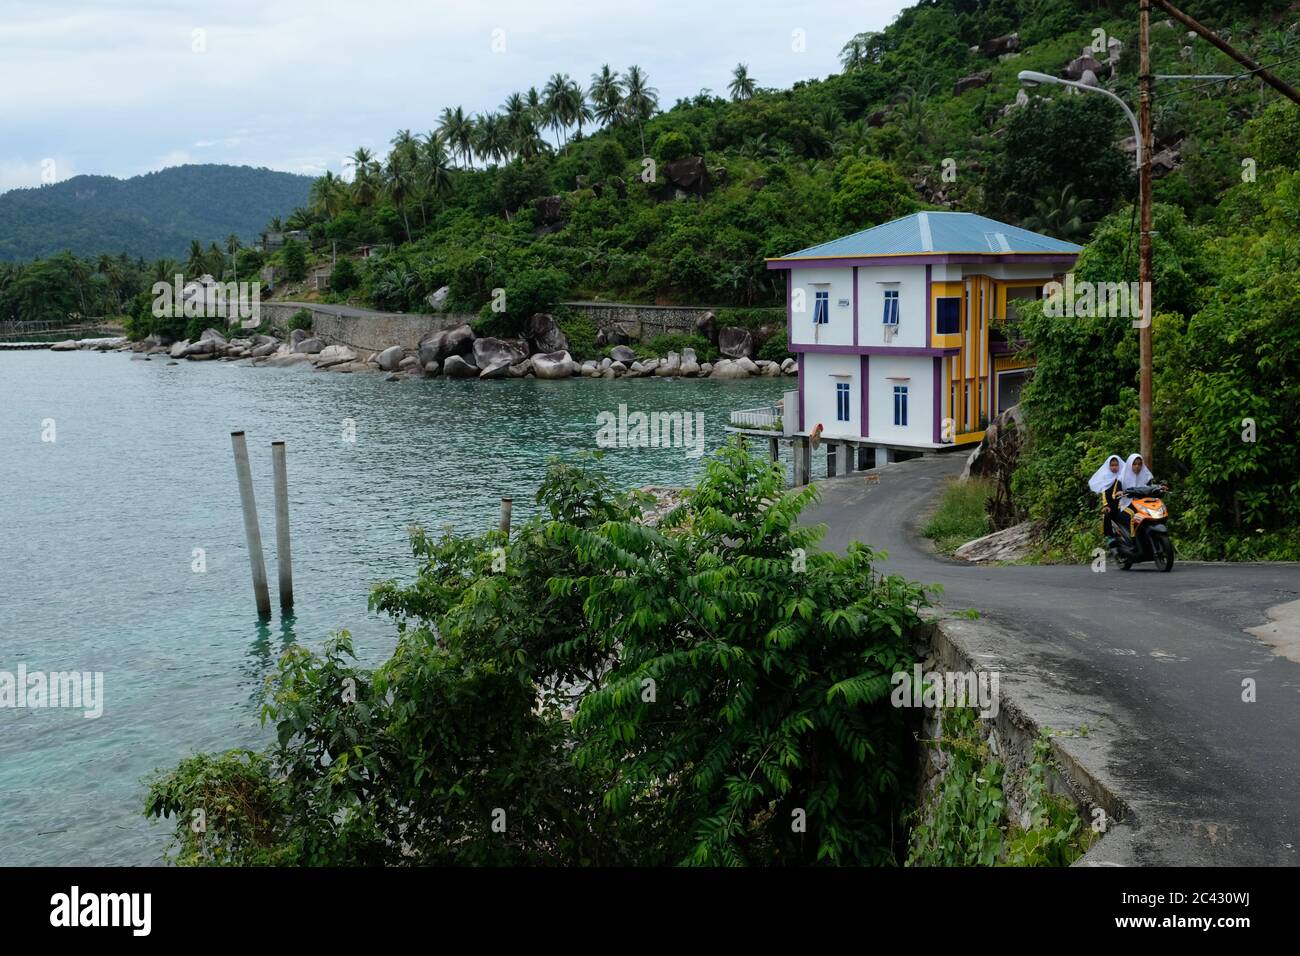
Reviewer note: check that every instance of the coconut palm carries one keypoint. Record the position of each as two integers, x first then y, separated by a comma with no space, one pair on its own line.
399,182
327,194
1062,215
557,104
491,138
195,265
640,100
606,96
514,116
741,86
457,131
363,176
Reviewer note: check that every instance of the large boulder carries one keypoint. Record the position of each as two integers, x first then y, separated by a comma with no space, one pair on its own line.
619,335
621,353
212,335
70,345
176,351
550,213
438,299
728,368
203,347
459,341
544,335
974,81
1076,67
1009,544
707,326
555,365
309,346
1002,439
433,347
390,358
457,367
489,351
1000,46
670,366
297,335
495,370
690,364
335,355
735,342
689,174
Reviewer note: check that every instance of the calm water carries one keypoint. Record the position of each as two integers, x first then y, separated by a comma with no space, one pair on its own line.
100,528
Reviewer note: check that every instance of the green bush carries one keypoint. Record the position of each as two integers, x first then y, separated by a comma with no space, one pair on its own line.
672,146
561,675
300,320
581,333
660,345
294,257
962,514
344,276
776,348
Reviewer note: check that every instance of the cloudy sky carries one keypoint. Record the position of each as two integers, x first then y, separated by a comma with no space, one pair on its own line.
123,87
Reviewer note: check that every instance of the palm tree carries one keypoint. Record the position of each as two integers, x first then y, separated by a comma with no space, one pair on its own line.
194,265
515,116
862,50
457,131
363,184
555,101
640,100
742,84
435,170
399,179
1063,215
327,194
606,95
232,247
490,137
406,144
579,111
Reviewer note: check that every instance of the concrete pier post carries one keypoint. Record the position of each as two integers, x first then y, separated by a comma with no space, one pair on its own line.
774,448
252,533
507,504
283,554
847,453
831,460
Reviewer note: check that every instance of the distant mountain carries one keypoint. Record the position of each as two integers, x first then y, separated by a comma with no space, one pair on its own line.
154,215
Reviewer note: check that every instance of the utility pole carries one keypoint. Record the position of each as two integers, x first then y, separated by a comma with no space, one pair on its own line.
1215,40
1144,239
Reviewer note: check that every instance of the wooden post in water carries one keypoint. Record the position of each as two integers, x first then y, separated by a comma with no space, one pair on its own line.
252,533
283,556
506,505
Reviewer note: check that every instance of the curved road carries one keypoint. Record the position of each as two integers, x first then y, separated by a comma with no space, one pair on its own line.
1153,664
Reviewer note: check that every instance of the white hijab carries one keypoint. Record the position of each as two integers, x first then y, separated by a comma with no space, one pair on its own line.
1131,480
1104,477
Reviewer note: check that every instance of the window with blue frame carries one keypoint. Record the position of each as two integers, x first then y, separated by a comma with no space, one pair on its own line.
948,315
891,307
841,401
821,308
900,405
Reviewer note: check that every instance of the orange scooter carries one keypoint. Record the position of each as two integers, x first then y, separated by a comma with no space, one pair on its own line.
1148,540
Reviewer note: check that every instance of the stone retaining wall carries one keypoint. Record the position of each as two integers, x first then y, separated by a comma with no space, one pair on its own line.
378,330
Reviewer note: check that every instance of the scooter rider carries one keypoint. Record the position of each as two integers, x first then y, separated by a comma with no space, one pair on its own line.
1106,482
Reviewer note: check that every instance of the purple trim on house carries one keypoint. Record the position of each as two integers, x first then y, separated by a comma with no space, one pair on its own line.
801,377
864,377
855,306
907,352
789,306
922,259
929,306
938,381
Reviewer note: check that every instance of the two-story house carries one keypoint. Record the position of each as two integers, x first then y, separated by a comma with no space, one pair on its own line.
894,326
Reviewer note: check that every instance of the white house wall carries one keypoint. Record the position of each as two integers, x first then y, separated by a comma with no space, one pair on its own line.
910,283
821,372
839,283
884,372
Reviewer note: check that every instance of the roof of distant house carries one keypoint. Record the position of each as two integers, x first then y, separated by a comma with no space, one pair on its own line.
936,233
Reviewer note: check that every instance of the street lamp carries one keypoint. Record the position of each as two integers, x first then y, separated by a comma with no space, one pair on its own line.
1142,138
1034,78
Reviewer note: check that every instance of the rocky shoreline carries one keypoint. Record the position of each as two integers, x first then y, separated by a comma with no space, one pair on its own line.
454,353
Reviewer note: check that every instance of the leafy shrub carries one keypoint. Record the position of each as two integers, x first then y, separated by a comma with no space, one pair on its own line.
660,345
344,276
294,257
672,146
300,320
776,348
694,652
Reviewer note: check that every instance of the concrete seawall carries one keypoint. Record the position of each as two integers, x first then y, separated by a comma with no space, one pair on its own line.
368,330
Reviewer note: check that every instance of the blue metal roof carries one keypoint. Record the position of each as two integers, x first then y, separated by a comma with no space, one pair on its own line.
937,233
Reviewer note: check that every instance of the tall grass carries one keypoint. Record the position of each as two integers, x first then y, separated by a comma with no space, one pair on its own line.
962,514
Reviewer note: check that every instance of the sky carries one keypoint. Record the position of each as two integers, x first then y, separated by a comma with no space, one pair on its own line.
123,87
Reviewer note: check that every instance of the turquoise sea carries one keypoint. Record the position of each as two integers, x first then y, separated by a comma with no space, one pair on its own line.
101,529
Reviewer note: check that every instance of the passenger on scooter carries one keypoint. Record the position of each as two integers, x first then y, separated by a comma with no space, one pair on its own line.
1135,475
1103,482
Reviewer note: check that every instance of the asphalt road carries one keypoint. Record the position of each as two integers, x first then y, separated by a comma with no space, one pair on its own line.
1155,661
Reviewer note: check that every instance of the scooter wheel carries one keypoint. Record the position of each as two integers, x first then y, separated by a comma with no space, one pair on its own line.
1162,552
1125,564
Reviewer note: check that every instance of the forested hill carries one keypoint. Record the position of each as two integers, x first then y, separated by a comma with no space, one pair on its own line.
151,216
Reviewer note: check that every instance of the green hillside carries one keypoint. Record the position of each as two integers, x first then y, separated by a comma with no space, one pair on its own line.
151,216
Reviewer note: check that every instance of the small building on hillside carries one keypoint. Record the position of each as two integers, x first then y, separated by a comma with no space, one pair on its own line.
896,328
318,277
